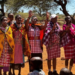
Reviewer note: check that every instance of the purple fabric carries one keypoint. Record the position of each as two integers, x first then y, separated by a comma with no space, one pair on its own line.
4,69
71,33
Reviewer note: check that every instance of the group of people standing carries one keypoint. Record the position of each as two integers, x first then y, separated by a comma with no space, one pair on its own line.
19,39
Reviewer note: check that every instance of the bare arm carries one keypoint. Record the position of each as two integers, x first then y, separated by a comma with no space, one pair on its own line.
27,22
46,21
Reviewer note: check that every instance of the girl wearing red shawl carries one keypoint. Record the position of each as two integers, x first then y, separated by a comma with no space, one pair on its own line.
51,40
33,32
10,18
19,39
69,48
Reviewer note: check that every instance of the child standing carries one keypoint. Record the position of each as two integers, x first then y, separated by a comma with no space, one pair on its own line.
6,46
69,48
19,39
51,40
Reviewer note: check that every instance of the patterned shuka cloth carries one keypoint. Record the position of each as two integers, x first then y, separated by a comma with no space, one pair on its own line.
21,30
52,42
18,47
5,55
69,49
35,45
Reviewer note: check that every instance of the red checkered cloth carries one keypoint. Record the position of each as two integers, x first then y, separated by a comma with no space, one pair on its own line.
5,56
35,45
54,52
48,40
52,42
54,47
69,51
65,40
74,60
69,37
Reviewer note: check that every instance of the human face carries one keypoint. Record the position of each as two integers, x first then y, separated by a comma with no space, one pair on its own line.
54,20
34,20
18,20
4,22
11,17
68,21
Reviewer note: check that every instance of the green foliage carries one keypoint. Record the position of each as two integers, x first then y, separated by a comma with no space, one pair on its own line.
39,6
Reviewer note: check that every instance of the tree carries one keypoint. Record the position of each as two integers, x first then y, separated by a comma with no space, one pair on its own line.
40,6
63,4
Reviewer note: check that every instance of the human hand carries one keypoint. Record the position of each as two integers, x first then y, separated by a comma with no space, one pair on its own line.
30,13
54,26
47,15
67,27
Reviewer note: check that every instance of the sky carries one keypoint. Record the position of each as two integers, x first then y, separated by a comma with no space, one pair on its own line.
70,7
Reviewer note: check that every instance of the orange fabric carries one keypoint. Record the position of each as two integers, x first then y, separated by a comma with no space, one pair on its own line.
10,40
38,24
24,33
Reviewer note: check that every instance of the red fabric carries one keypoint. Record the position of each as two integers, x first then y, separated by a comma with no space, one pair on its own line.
35,45
74,60
5,56
41,35
32,38
69,51
54,49
65,40
71,33
29,24
54,52
18,54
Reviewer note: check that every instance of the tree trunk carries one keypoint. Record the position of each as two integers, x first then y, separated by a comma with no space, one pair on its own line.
63,5
65,12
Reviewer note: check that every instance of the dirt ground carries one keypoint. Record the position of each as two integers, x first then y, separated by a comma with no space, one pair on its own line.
60,64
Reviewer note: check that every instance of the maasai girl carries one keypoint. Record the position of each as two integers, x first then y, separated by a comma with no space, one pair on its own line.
10,19
19,38
69,48
34,35
6,46
52,40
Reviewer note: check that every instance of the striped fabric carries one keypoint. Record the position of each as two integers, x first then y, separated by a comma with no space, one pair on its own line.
34,44
52,42
65,40
53,50
69,51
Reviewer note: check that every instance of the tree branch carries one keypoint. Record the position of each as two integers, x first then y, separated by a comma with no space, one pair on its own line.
65,2
58,2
